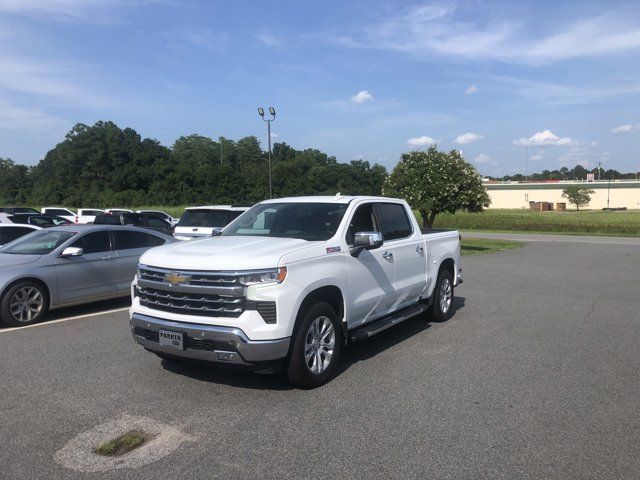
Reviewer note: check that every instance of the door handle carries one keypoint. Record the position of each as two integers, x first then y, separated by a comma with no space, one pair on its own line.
107,258
387,255
419,249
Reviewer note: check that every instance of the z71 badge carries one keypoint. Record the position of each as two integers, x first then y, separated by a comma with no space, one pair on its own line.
333,249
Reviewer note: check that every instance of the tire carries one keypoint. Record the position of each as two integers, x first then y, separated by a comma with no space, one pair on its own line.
443,295
316,347
25,303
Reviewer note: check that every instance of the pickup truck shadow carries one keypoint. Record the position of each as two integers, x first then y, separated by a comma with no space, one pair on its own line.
367,349
354,353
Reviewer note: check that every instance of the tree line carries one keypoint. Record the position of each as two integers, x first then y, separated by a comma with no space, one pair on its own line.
576,173
103,165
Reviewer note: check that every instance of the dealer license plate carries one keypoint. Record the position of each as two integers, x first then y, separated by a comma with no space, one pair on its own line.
171,339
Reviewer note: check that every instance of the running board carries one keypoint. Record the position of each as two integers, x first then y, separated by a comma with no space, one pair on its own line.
370,329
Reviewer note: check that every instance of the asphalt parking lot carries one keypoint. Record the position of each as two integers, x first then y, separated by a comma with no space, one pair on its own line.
535,376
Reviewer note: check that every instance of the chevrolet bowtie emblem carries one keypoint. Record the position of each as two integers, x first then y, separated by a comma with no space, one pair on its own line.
174,278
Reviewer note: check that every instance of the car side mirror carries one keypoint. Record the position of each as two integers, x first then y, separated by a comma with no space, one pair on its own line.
216,231
365,241
71,252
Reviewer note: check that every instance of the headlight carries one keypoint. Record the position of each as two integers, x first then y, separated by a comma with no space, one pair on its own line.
264,277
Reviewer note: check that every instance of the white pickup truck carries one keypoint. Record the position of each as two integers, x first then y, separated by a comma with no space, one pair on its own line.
292,281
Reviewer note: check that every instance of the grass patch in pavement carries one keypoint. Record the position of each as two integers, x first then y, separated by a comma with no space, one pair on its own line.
471,246
593,222
123,444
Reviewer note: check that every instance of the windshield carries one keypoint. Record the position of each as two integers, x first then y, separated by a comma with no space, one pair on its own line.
37,243
207,218
308,221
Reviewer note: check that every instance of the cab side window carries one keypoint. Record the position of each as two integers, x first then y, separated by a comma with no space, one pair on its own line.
363,220
395,222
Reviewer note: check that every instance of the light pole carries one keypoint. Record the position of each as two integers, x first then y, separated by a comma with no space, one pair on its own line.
526,166
272,112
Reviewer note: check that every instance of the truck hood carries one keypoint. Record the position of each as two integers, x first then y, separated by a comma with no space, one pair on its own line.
11,260
224,253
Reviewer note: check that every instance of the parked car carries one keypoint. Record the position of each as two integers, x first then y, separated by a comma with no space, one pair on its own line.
10,232
61,212
161,214
201,222
115,211
88,215
293,281
39,220
18,210
62,266
143,220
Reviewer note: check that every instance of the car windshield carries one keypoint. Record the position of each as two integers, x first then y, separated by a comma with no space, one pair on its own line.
207,218
308,221
38,243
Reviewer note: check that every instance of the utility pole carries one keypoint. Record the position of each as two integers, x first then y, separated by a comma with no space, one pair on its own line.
599,163
526,166
272,112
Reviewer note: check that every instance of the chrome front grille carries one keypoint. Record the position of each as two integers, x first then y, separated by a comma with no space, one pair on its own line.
191,303
196,278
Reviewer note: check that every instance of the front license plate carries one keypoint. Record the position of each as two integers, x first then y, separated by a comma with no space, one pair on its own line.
171,339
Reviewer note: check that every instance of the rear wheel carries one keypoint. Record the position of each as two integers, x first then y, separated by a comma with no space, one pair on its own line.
25,303
316,347
442,307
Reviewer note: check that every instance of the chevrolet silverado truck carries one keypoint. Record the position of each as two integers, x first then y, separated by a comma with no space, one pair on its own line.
293,281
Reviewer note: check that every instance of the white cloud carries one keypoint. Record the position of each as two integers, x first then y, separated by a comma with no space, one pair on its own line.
482,158
274,135
536,157
267,38
455,32
182,39
96,11
421,141
625,128
546,137
468,137
471,90
29,119
362,96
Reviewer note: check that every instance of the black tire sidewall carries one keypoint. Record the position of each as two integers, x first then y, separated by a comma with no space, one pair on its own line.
436,313
5,313
297,370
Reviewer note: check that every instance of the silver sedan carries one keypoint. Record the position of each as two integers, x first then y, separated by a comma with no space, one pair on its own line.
63,266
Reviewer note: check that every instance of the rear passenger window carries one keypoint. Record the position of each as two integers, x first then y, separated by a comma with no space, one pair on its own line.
93,242
155,222
395,223
127,240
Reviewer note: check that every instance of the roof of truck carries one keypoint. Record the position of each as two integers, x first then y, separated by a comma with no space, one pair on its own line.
327,199
219,207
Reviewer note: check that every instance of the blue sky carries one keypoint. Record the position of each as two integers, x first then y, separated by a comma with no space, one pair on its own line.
356,79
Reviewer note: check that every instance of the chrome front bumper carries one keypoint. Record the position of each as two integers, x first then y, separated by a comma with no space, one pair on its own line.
207,342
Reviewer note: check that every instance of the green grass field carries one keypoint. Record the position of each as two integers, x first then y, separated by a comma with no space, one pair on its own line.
472,246
587,222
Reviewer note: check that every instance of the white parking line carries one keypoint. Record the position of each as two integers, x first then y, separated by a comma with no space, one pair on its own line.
60,320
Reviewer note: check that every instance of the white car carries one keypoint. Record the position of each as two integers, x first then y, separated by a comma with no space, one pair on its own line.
115,211
60,212
201,222
88,215
163,215
292,281
10,231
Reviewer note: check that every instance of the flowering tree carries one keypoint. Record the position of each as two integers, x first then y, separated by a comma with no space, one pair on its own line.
435,182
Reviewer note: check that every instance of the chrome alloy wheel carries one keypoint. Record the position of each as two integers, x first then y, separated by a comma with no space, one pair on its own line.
26,304
446,295
319,345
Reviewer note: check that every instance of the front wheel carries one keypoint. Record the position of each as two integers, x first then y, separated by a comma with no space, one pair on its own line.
316,347
442,307
23,304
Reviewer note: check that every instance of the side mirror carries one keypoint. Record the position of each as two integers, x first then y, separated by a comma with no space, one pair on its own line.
216,231
366,241
71,252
